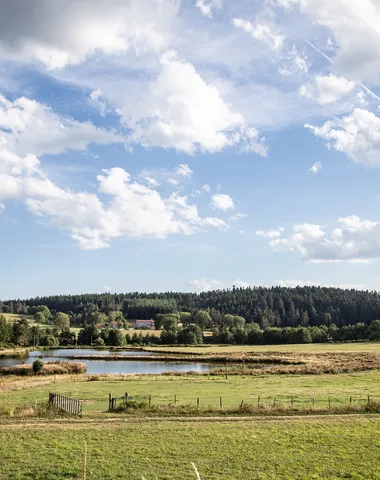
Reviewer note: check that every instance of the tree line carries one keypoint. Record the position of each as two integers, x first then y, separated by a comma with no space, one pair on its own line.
268,307
233,331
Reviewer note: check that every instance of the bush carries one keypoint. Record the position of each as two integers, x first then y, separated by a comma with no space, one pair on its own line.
37,366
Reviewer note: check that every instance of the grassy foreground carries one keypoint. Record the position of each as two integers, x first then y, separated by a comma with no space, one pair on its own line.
18,391
304,449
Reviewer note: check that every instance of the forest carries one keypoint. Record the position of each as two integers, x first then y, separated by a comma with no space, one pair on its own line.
267,307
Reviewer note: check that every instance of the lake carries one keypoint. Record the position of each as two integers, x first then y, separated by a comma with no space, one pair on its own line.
109,366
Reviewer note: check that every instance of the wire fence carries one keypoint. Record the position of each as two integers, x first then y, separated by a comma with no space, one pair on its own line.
253,401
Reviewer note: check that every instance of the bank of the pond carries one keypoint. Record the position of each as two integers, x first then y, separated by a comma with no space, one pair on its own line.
103,361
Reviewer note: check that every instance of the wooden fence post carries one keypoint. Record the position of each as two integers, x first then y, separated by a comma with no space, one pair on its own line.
175,399
220,402
329,403
197,402
150,400
350,400
313,401
258,401
110,402
369,401
85,461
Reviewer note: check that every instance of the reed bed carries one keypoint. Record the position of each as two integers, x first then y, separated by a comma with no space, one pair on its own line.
49,368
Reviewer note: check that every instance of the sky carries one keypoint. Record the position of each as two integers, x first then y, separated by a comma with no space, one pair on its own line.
156,145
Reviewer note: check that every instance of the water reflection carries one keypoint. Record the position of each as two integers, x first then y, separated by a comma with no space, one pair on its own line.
108,366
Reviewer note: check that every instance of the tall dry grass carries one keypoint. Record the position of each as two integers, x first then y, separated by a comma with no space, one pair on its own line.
49,368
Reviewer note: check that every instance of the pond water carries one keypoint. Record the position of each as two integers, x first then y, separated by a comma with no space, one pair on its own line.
108,366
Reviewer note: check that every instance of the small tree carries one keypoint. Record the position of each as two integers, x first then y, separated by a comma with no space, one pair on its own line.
37,366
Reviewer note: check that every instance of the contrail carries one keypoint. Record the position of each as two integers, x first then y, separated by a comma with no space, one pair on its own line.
330,60
317,50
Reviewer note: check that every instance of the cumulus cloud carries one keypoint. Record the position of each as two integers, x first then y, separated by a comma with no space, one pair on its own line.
133,209
309,283
274,233
180,110
222,201
29,127
152,182
205,284
60,33
97,103
327,89
289,59
207,6
355,241
355,27
292,63
264,33
357,135
316,167
238,216
206,188
183,170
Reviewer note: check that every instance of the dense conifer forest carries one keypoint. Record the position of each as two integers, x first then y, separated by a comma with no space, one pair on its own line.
268,307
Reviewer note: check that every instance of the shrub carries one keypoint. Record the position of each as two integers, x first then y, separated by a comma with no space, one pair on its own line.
37,366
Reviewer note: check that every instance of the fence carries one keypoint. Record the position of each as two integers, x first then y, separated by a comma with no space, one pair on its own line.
69,405
112,401
259,401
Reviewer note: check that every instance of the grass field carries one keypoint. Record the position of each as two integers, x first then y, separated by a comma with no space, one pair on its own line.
297,449
303,388
301,348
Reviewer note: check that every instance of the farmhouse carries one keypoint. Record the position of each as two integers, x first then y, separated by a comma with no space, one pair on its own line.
144,324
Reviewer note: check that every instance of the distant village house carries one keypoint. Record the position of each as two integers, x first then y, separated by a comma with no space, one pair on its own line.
144,324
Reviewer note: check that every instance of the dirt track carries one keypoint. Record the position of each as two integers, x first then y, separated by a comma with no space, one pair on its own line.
89,422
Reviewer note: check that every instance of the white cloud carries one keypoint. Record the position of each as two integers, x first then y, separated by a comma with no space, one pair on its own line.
131,208
274,233
183,170
355,27
309,283
134,210
207,6
205,284
30,127
206,188
60,33
173,181
292,63
354,241
327,89
238,216
180,110
152,182
97,103
316,167
222,201
264,33
357,135
2,207
241,284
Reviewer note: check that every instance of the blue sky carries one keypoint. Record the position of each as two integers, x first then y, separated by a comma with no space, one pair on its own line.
158,145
